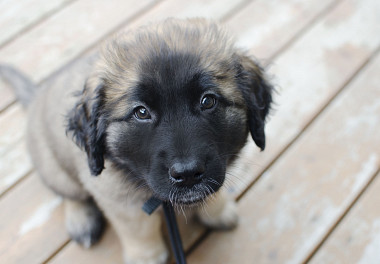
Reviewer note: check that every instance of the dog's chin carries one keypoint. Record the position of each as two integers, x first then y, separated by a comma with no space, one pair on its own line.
190,199
190,196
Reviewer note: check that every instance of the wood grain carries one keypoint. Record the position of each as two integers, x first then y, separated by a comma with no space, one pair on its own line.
309,74
266,26
19,15
356,239
31,223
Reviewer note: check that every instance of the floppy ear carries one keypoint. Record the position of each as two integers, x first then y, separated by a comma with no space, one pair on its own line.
88,127
257,93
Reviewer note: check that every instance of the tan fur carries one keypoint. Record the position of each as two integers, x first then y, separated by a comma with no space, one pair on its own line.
63,166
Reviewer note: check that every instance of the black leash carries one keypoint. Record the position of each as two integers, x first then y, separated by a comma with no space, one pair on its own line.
175,239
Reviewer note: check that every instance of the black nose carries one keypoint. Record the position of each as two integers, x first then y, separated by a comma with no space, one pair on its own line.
186,173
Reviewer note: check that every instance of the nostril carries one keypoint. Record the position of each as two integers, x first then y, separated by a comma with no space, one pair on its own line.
175,174
198,175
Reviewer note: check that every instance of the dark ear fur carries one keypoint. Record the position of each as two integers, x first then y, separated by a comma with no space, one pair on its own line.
88,127
257,93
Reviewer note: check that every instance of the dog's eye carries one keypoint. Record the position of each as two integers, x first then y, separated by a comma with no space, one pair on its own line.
208,102
142,113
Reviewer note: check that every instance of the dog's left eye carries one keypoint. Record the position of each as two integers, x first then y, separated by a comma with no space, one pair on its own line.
142,113
208,102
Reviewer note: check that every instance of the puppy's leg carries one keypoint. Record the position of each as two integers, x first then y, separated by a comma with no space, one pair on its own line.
84,221
140,236
220,212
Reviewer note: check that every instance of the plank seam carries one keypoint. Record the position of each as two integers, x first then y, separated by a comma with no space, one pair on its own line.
55,253
122,24
332,229
37,22
235,10
91,46
12,186
304,29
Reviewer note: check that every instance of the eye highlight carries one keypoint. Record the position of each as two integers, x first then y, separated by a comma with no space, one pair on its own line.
207,102
142,113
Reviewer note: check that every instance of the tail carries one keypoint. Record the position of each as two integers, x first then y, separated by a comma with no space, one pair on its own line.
23,87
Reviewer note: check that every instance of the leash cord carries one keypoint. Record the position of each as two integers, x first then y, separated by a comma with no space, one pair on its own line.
175,239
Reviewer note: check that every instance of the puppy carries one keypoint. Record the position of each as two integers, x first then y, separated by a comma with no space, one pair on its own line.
163,111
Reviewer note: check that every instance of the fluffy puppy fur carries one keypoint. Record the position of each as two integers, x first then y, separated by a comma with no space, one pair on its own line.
164,111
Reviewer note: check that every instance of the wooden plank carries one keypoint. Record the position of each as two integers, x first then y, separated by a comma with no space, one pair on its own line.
266,26
356,239
31,223
213,9
14,159
7,96
297,201
63,36
14,165
106,251
13,125
18,15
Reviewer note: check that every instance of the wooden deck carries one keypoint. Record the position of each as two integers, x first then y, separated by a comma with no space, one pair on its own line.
312,196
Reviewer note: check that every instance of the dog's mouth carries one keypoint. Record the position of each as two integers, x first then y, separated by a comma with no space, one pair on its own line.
192,195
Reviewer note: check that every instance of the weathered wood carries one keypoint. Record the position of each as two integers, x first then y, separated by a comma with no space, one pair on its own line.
63,36
284,136
106,251
216,10
6,95
356,239
14,161
266,26
31,223
12,123
296,202
14,166
309,74
18,15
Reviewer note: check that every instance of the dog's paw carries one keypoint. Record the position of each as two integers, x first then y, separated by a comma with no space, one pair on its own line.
84,222
224,218
146,256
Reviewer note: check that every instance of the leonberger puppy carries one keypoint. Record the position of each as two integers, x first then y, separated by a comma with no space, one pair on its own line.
163,112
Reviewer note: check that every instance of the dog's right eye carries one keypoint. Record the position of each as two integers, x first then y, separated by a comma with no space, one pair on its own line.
142,113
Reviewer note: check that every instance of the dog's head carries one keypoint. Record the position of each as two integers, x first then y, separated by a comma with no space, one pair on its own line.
172,105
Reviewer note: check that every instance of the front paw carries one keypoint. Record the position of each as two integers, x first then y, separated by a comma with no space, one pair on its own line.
84,222
223,218
147,256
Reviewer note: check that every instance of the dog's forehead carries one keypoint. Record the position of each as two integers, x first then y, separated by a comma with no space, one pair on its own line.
185,74
166,82
172,79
